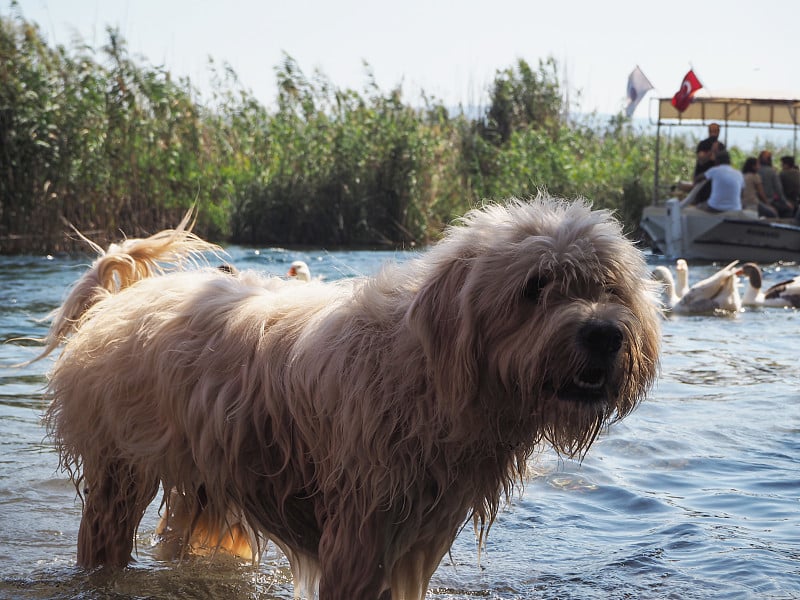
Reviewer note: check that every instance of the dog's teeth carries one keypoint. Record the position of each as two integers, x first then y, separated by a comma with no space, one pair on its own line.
590,385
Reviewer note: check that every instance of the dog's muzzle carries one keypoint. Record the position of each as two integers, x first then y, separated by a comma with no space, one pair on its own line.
599,342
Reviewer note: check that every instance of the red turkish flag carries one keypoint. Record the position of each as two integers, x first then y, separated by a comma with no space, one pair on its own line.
683,98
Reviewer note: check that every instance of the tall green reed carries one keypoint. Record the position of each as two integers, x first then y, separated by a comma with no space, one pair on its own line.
96,139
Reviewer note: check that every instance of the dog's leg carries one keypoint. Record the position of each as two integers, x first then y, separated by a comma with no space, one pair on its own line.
351,565
412,572
114,504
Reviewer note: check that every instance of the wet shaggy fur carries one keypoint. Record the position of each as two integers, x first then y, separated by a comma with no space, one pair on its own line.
356,424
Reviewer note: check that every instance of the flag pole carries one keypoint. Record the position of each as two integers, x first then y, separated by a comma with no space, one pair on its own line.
658,157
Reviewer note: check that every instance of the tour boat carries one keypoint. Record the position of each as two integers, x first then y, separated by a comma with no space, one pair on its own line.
677,229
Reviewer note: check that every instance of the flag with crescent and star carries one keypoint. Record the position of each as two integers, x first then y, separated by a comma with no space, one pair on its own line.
683,97
638,86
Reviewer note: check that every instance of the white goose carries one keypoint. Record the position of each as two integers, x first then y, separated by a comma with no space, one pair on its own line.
753,296
682,277
299,270
784,294
672,290
716,293
668,296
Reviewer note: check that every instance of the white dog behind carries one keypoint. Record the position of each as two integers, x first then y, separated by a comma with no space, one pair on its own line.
356,424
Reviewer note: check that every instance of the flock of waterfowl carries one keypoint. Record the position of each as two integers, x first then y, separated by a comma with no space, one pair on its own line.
719,293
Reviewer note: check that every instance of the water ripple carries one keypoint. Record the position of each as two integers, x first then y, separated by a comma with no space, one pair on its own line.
695,495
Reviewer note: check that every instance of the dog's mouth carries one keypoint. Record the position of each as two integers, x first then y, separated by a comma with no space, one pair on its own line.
587,385
591,379
599,342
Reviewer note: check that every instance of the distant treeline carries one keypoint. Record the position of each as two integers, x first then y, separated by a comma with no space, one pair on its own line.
94,139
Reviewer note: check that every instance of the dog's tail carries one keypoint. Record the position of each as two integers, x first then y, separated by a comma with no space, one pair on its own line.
119,267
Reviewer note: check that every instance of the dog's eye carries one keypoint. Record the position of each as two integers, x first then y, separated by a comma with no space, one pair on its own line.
534,286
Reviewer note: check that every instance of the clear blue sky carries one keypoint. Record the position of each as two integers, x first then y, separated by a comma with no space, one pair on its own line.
452,49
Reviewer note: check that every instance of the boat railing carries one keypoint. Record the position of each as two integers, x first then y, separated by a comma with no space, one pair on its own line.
690,197
678,190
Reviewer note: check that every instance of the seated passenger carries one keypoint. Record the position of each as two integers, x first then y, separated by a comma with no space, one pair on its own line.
704,161
772,185
790,181
753,196
727,185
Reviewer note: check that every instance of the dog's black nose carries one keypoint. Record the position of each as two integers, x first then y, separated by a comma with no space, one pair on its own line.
601,338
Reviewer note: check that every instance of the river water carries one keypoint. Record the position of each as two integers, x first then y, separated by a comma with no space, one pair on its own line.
695,495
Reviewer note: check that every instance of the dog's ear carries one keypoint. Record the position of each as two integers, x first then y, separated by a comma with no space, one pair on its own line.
442,320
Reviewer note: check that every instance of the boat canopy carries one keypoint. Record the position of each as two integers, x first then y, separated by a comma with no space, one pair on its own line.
775,111
759,112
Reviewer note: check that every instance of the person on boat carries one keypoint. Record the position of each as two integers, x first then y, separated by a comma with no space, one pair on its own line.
726,186
772,185
753,197
705,158
790,180
712,140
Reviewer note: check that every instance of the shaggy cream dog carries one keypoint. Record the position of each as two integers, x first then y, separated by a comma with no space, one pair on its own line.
359,424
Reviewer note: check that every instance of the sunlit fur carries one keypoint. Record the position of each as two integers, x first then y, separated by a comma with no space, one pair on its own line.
356,424
120,266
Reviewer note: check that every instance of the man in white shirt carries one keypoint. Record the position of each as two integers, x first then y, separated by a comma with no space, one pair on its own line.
726,185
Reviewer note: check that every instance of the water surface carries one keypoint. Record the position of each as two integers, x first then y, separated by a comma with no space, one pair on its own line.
695,495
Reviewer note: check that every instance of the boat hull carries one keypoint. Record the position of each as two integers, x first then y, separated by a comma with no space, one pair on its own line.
691,233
